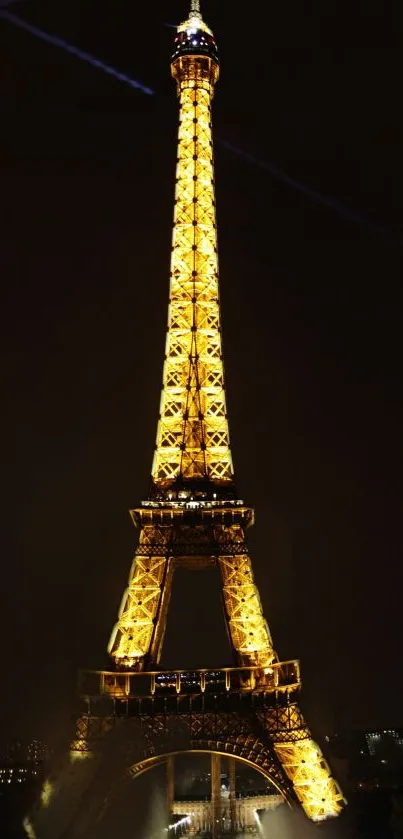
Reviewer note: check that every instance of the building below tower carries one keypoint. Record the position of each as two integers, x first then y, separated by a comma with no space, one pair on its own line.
199,815
224,799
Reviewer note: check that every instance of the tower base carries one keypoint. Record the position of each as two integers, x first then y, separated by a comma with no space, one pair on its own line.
132,722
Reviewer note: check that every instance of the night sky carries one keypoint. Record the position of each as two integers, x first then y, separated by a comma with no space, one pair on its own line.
312,322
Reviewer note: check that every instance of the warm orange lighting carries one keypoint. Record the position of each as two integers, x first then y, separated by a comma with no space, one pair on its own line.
192,451
192,435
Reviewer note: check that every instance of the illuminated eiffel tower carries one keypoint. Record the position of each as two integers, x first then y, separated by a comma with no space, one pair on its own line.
137,715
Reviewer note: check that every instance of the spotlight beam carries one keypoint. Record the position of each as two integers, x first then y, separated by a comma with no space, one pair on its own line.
271,168
55,41
317,197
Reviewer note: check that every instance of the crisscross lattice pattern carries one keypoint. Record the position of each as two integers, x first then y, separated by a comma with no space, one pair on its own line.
133,633
316,789
192,435
248,628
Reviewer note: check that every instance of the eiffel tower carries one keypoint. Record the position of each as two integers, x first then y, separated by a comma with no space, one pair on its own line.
136,716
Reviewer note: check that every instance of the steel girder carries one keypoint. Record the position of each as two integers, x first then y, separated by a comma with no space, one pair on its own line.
139,633
107,750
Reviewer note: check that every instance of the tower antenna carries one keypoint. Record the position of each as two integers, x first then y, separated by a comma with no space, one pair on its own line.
195,7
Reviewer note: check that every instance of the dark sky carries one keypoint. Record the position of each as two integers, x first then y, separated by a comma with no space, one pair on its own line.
312,314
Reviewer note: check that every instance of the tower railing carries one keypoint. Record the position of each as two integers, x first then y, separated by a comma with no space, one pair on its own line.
282,677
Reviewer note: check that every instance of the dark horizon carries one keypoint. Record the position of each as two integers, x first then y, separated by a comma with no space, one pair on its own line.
312,310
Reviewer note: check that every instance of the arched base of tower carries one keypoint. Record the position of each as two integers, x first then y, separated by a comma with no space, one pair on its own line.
111,751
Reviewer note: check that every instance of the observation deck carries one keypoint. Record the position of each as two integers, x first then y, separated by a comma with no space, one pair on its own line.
182,691
193,511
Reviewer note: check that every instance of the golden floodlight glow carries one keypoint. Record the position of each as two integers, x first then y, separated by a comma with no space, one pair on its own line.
192,515
318,792
132,635
248,627
46,793
76,756
192,435
29,829
79,748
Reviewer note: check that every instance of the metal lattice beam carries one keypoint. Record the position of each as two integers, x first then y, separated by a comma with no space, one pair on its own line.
192,435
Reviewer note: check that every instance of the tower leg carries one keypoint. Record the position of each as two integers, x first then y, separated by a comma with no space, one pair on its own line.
170,785
303,763
232,793
246,624
216,795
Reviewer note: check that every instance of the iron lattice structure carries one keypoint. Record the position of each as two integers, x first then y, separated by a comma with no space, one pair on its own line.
192,435
137,716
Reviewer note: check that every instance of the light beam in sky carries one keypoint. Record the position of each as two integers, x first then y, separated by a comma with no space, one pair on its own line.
266,165
84,56
312,194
